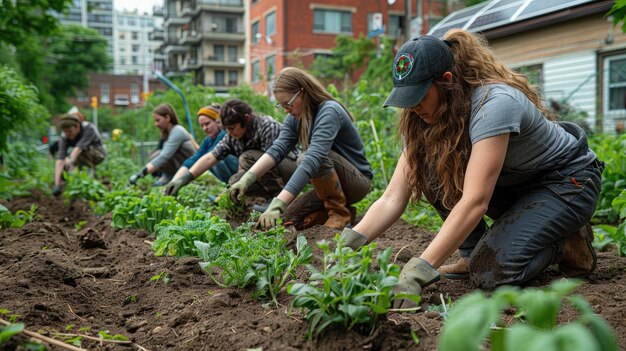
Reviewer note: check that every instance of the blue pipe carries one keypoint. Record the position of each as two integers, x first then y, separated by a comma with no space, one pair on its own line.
182,96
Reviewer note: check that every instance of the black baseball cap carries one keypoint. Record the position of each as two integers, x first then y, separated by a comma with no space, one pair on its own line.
418,62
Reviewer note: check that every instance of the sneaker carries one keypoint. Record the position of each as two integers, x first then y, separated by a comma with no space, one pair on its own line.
579,258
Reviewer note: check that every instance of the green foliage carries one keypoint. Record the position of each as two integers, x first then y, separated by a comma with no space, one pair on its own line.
566,112
20,110
346,292
228,208
9,331
272,272
80,185
606,234
618,11
476,317
612,150
19,19
198,193
145,212
112,199
105,335
177,237
18,219
74,52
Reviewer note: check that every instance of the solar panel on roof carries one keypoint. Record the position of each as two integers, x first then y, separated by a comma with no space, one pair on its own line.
500,12
493,17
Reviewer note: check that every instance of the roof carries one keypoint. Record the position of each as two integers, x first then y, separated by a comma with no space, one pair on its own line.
490,15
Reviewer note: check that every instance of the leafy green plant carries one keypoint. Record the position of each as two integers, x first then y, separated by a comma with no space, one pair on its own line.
475,318
606,234
163,276
177,237
104,334
611,150
9,331
145,212
346,292
272,272
80,185
226,206
114,198
18,219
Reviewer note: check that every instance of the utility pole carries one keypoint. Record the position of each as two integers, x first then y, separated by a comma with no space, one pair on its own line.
407,19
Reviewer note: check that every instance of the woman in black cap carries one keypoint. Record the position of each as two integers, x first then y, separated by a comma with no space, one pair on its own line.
478,140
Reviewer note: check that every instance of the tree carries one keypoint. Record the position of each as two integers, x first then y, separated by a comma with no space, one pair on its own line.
24,18
19,106
618,11
74,51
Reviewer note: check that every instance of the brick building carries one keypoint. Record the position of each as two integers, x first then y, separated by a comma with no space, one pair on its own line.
116,91
287,33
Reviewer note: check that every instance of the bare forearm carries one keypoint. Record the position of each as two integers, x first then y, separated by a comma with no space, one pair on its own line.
58,171
462,220
203,164
182,170
262,165
383,213
75,153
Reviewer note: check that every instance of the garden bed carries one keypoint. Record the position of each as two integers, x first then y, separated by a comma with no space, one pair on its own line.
60,274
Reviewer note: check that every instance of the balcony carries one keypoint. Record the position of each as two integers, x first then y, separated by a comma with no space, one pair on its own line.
219,5
172,48
218,62
190,37
238,37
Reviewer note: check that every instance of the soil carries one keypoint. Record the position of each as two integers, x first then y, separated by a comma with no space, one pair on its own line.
53,275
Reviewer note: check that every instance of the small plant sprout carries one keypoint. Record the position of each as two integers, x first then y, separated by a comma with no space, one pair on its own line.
160,277
80,225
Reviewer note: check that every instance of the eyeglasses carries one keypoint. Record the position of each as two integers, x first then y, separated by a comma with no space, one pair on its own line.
289,103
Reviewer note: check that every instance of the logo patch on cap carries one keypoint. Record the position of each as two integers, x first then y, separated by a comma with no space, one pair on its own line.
403,66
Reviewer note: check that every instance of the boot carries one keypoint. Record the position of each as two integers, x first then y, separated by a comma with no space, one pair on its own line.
328,189
579,258
315,218
457,270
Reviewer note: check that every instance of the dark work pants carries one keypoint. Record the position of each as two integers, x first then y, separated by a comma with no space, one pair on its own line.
531,222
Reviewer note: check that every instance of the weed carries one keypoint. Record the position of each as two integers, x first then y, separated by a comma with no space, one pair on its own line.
160,277
78,226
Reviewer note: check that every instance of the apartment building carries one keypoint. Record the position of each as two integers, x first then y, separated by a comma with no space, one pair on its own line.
134,47
206,38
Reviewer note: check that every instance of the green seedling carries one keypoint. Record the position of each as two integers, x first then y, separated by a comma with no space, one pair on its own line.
9,331
145,212
160,277
84,329
230,209
18,219
130,299
80,225
69,327
104,334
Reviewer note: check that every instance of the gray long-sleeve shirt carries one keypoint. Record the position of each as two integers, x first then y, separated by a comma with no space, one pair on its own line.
178,141
332,130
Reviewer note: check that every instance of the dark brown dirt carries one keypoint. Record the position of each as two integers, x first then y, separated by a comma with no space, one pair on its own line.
54,275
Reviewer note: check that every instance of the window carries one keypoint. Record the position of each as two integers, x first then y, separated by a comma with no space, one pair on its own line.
135,60
122,61
256,71
233,77
135,48
134,93
132,22
231,25
270,24
135,35
396,25
255,32
122,36
104,93
220,78
232,54
270,67
218,52
615,84
330,21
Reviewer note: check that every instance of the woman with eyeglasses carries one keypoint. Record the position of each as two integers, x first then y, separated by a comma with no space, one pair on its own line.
333,158
248,137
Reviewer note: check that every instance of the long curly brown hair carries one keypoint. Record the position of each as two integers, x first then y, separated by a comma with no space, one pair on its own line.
438,154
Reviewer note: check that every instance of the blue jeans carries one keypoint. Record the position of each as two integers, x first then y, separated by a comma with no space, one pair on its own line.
531,223
222,171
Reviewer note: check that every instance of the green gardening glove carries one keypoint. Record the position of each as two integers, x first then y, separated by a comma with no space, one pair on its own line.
416,274
238,190
270,217
352,239
174,186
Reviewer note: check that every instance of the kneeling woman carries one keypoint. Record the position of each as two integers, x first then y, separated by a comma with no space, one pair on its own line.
178,146
479,141
333,158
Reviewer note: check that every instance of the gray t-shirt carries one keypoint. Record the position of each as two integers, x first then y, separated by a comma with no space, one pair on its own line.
332,130
88,136
179,140
536,144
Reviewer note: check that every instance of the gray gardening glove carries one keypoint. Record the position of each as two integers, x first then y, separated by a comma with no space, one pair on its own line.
133,179
238,190
416,274
174,186
270,217
352,239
